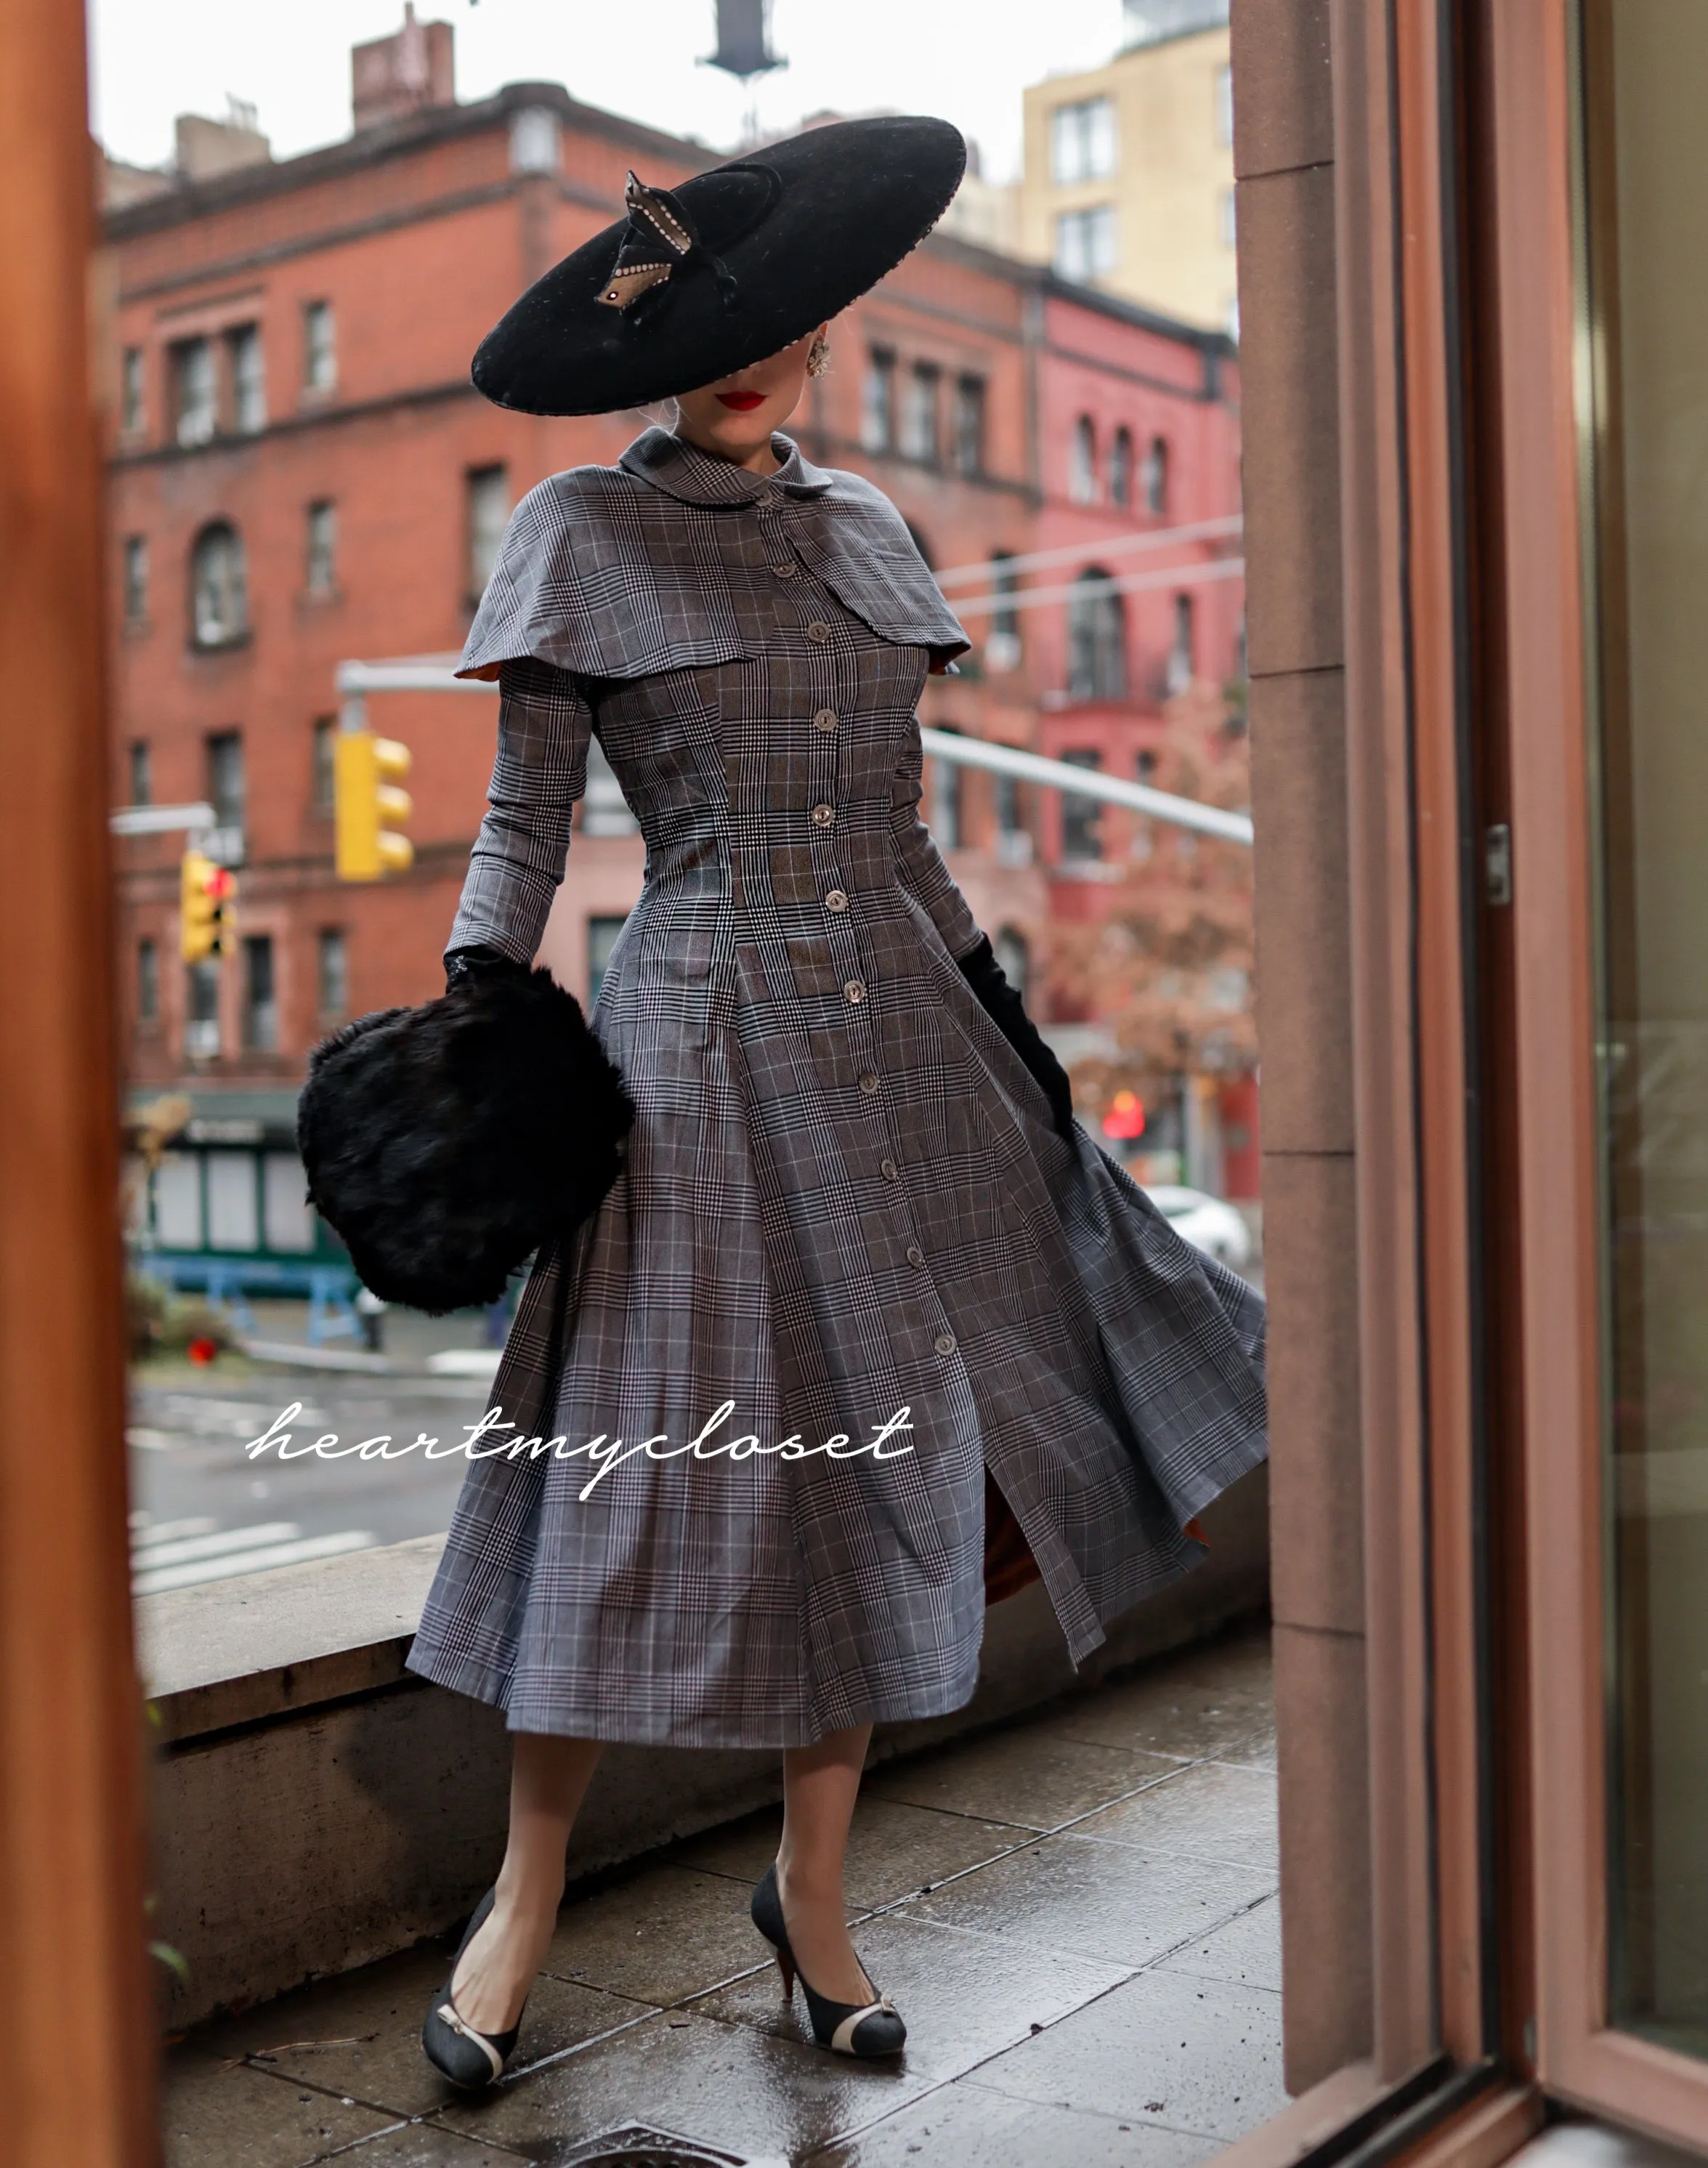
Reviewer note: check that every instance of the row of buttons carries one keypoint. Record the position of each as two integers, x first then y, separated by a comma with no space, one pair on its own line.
836,899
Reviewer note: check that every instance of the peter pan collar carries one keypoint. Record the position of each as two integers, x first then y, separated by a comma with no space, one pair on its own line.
684,471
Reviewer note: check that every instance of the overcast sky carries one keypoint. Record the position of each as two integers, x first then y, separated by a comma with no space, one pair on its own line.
967,60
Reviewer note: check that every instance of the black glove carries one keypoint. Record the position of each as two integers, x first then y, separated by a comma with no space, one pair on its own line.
486,963
1006,1010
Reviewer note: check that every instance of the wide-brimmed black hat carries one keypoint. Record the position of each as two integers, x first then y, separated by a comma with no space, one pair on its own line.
723,270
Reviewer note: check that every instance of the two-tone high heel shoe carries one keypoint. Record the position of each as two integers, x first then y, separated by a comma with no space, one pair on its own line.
468,2057
849,2028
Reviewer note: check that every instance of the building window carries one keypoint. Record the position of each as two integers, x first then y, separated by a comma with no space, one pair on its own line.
325,798
248,380
605,811
195,411
202,1011
319,351
131,390
969,425
1002,641
601,939
141,763
260,1001
1082,818
878,410
219,587
486,515
1097,638
226,794
535,144
136,579
1013,832
320,568
332,972
1086,243
1121,468
1082,141
919,419
1178,674
1224,106
147,980
1153,476
1230,220
1082,462
946,806
1010,951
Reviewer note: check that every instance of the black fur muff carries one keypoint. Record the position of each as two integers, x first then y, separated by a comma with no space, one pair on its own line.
445,1143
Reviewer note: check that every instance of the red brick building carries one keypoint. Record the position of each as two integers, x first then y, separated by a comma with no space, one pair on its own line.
302,474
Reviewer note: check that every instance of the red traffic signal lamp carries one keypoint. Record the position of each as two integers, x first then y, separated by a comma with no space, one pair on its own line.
1124,1118
207,893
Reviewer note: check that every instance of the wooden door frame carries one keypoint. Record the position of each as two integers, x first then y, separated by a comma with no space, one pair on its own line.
1548,432
78,2049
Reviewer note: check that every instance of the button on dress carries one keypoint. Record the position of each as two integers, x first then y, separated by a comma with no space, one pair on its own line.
849,1274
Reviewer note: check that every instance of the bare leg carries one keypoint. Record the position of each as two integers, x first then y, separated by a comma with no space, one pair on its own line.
549,1778
820,1786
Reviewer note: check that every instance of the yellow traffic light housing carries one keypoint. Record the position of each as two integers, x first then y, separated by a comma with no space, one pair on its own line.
370,807
207,891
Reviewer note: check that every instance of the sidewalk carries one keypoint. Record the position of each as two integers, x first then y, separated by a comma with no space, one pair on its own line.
1077,1916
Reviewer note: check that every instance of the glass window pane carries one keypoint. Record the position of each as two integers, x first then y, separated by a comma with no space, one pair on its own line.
233,1219
290,1218
177,1201
1646,79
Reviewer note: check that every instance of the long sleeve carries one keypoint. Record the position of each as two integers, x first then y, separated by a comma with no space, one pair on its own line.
921,863
544,724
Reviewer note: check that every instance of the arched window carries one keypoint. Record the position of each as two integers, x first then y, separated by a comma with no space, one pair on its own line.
219,587
1121,468
1010,951
1096,638
1082,462
1181,660
1154,476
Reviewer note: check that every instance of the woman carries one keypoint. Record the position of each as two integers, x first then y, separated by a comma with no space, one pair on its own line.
861,1259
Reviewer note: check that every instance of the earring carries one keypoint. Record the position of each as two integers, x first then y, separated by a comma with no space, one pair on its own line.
819,356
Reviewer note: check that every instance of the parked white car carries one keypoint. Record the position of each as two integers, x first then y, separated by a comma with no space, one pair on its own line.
1207,1224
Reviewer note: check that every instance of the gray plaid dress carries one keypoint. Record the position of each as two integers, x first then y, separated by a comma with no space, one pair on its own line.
844,1208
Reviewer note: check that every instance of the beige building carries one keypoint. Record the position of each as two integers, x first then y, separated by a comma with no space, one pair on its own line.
1128,181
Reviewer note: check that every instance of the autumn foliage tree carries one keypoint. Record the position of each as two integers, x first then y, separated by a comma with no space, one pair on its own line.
1167,967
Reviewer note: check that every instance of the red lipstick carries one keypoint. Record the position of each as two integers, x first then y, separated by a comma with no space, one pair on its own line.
742,402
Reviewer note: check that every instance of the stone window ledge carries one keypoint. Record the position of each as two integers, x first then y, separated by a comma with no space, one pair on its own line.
265,1645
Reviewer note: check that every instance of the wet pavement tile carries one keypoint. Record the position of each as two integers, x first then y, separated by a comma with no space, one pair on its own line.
657,1936
1211,1810
894,1849
967,2122
1124,1972
1048,1783
360,2036
1247,1953
727,2085
1214,1703
428,2145
1208,2060
214,2114
964,1996
1098,1900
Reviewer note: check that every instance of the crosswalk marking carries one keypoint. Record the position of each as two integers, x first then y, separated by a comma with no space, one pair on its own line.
181,1554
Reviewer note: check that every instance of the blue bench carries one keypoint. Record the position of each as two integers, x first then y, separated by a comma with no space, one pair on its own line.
227,1282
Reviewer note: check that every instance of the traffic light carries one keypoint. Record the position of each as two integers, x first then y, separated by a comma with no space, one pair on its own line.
370,807
206,894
